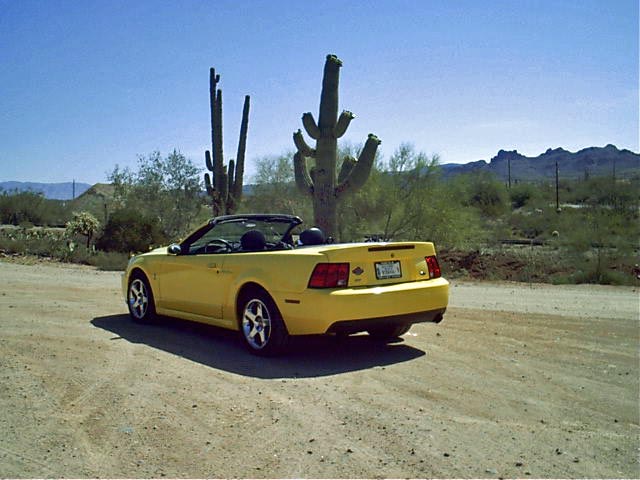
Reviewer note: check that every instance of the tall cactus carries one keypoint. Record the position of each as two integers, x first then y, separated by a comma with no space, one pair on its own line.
322,182
224,186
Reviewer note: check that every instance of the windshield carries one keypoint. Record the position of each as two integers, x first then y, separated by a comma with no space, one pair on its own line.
225,235
232,231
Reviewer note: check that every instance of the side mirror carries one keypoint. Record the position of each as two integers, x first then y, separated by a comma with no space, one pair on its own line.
174,249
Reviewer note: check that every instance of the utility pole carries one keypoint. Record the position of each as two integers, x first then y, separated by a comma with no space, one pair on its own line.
557,190
73,195
509,169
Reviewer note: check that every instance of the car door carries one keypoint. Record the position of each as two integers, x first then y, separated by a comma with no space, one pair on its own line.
191,281
193,284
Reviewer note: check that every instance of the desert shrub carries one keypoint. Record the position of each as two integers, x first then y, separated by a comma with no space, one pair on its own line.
128,230
483,192
108,261
31,208
537,223
20,207
522,194
406,199
83,223
167,189
42,242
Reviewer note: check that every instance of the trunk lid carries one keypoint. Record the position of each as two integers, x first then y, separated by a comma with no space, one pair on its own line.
372,264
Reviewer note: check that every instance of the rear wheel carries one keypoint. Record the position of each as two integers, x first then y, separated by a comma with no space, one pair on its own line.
140,299
261,325
387,333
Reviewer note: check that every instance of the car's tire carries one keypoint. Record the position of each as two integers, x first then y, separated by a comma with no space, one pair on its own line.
387,333
261,326
140,301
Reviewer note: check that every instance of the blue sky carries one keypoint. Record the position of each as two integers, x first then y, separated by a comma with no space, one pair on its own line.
86,85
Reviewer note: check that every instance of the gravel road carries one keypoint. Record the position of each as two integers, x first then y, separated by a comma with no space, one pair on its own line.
517,381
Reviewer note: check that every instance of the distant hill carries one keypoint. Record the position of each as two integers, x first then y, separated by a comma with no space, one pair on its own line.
53,191
592,161
95,200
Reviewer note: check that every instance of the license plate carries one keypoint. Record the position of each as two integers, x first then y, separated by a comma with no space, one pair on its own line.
386,270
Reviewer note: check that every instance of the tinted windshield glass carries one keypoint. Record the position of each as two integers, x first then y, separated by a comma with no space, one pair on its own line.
225,237
273,230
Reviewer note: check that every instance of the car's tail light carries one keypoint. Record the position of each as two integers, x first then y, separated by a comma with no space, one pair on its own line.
330,275
432,265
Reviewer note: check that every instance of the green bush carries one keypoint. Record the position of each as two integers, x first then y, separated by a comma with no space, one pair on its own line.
31,208
34,241
83,223
482,191
108,261
128,230
166,189
522,194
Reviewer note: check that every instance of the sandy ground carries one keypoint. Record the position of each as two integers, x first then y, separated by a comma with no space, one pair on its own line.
517,381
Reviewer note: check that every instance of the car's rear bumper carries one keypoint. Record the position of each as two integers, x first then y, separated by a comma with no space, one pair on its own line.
357,309
360,325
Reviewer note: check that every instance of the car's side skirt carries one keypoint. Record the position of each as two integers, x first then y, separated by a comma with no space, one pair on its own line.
218,322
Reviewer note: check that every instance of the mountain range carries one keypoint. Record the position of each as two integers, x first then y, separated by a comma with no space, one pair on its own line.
592,161
53,191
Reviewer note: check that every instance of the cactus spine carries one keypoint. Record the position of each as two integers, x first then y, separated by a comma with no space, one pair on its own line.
321,182
224,186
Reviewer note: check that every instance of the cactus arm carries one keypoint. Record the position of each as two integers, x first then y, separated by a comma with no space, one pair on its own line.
360,171
347,165
223,186
207,160
232,169
302,146
230,201
343,123
207,183
310,125
329,95
301,172
242,148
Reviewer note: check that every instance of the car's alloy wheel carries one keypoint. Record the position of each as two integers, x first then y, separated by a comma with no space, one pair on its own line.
262,327
140,300
256,324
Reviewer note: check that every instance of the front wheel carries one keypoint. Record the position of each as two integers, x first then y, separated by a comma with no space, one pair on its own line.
388,332
261,325
140,300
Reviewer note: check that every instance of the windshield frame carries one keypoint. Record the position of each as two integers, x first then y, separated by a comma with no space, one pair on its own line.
290,221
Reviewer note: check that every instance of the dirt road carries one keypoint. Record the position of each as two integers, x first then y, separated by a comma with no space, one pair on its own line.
517,381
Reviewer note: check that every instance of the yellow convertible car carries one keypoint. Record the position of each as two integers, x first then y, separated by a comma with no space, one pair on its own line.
261,275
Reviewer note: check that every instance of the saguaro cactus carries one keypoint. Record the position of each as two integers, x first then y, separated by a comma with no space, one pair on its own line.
224,186
321,181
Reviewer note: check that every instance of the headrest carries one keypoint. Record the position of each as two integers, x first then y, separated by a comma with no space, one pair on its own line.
312,236
253,240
